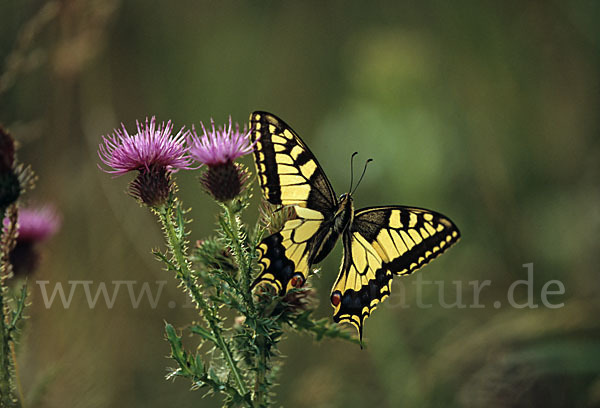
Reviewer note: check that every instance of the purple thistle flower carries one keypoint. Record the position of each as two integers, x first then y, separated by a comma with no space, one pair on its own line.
151,146
218,148
154,151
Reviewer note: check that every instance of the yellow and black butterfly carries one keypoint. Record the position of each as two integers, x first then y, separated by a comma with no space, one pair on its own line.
379,242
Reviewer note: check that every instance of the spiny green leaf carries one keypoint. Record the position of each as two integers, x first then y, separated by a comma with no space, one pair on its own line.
204,333
177,351
17,314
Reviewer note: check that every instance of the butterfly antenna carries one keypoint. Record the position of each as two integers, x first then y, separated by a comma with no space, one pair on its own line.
362,175
352,170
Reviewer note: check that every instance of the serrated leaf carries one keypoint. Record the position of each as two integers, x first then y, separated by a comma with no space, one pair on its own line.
17,314
202,332
177,351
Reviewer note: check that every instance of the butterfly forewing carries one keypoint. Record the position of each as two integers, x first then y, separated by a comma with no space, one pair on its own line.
392,241
289,174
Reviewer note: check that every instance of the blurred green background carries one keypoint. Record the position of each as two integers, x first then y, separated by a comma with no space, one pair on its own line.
484,111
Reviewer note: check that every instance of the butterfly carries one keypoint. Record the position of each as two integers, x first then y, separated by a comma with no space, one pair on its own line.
378,242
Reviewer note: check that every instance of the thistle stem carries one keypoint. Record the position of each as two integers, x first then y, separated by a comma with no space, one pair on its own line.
17,377
246,272
6,384
178,248
261,369
240,255
7,397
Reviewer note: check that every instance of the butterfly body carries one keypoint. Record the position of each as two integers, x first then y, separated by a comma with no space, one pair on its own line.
332,230
378,242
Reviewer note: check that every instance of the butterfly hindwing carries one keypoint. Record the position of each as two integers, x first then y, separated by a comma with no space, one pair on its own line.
289,174
285,254
383,242
363,282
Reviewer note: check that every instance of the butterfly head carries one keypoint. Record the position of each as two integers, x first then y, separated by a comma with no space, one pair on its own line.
345,203
345,197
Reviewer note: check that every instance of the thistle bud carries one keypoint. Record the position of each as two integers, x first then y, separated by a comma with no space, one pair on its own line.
151,186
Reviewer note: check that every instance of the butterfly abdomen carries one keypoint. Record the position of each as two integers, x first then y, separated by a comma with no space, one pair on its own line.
340,221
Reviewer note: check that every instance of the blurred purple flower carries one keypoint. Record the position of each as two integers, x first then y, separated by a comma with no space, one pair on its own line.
219,146
35,225
151,146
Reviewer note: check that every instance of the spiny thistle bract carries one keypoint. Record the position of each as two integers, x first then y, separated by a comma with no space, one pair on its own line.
240,359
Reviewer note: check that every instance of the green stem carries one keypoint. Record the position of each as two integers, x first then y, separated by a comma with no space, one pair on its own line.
13,353
7,397
240,255
6,381
261,370
244,264
177,246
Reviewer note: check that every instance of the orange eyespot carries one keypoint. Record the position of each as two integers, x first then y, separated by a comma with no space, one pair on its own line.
336,298
297,281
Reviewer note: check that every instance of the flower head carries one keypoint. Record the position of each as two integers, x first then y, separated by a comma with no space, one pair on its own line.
154,152
152,145
218,148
